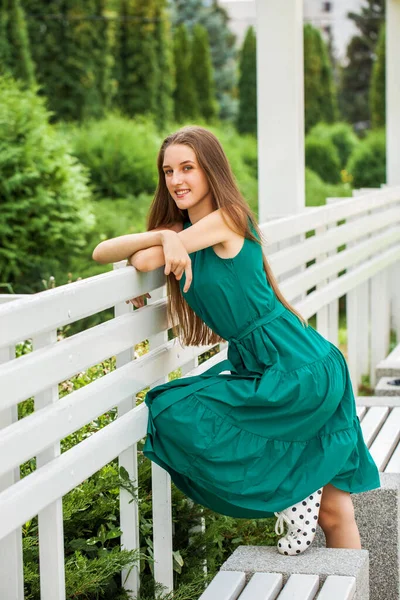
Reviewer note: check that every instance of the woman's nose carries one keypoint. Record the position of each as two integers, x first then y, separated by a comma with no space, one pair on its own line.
176,178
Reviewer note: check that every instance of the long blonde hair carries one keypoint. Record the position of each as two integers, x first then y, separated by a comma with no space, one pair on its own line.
211,157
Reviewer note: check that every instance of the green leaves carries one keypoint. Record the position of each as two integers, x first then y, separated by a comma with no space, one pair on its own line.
247,116
44,193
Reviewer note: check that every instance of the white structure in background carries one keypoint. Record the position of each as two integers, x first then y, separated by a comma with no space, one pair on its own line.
242,15
330,17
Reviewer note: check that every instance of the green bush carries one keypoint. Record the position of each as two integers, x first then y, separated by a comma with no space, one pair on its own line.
317,191
113,217
120,153
367,165
323,158
44,197
341,135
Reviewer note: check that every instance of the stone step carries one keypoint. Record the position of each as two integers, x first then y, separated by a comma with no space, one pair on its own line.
386,388
303,576
390,366
378,518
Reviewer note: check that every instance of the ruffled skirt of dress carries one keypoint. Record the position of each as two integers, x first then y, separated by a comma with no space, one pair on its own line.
248,445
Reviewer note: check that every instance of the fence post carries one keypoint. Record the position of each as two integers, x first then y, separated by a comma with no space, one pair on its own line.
51,528
161,491
11,562
380,320
322,324
129,511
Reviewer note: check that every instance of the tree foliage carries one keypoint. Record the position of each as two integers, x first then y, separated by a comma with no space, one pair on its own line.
164,54
247,115
70,46
319,88
341,135
202,72
356,75
222,45
15,55
378,83
367,164
323,158
137,67
186,106
44,197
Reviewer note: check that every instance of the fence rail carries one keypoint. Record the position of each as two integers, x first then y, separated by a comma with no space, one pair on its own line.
311,275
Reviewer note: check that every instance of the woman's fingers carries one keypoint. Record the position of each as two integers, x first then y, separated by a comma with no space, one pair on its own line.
138,302
189,276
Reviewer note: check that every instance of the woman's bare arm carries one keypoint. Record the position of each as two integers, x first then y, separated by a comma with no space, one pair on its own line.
208,231
125,246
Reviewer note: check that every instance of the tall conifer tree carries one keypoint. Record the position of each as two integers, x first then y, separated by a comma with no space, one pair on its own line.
185,94
202,73
165,58
247,116
378,83
71,49
356,75
319,89
15,55
137,66
222,44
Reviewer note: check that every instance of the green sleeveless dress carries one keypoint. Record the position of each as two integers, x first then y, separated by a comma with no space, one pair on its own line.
276,421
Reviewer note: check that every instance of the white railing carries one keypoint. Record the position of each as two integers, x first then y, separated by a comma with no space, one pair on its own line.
371,232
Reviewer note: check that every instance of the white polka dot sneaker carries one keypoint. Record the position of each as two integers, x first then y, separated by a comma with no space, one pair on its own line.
301,520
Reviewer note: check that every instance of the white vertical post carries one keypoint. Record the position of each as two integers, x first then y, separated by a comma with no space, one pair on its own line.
333,306
323,313
51,528
280,107
355,326
161,492
395,299
393,131
11,563
129,511
393,91
353,332
380,321
363,312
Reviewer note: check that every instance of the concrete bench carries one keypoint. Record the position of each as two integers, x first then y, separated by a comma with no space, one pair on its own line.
380,423
231,585
261,573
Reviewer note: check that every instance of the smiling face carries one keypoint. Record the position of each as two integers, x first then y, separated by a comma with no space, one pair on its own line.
186,181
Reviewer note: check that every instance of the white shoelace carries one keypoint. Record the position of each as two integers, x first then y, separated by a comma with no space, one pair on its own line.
283,518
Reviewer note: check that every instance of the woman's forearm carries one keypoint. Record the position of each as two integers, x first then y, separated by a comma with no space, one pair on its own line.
118,248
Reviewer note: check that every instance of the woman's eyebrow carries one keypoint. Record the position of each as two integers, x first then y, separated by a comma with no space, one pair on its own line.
182,163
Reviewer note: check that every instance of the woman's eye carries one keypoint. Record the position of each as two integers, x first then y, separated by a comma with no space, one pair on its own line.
187,167
167,172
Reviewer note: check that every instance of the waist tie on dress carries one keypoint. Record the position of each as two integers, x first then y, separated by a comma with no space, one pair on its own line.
239,355
238,360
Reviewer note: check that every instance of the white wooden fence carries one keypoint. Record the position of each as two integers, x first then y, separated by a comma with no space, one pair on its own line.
369,226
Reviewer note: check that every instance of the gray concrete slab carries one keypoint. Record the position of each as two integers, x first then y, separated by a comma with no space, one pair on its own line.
378,518
384,388
315,561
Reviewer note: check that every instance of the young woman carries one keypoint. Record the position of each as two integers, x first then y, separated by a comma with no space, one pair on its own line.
273,429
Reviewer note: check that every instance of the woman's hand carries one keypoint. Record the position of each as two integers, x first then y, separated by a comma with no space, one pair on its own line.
138,302
177,260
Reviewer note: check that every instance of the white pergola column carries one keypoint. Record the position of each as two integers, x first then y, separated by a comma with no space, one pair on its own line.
393,91
280,95
393,132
